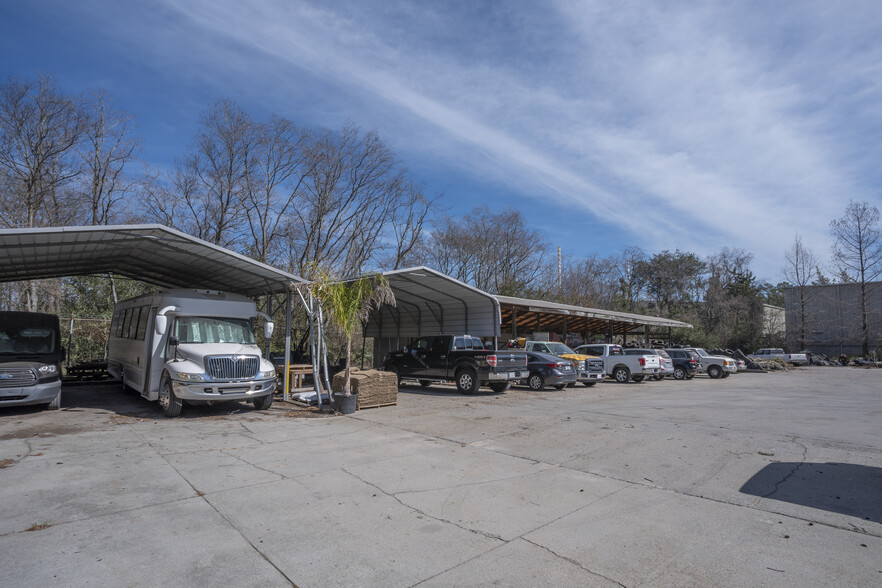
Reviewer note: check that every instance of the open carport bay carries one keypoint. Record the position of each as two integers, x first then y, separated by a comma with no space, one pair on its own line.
759,479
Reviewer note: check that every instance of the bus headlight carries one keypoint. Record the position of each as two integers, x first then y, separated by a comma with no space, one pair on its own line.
191,377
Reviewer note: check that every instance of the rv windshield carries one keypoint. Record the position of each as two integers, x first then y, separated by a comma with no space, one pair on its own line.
201,329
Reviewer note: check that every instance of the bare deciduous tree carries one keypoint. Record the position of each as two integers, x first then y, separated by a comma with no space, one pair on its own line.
857,252
107,149
280,168
213,179
39,128
342,213
495,252
800,268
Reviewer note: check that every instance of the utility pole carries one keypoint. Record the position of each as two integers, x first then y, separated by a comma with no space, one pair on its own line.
559,274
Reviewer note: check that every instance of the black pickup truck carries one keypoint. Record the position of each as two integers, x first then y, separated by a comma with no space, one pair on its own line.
458,358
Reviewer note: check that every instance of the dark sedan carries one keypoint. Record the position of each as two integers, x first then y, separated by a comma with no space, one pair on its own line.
548,370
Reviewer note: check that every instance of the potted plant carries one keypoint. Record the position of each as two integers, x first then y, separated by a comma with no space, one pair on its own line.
348,304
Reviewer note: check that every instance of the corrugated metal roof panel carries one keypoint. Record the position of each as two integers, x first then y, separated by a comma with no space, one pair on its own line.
152,253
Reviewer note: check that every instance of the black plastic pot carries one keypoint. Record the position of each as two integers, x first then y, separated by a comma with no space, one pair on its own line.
345,404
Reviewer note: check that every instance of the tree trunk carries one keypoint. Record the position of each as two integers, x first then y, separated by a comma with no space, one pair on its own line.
347,386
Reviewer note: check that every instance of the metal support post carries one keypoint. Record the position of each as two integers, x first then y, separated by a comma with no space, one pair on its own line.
287,381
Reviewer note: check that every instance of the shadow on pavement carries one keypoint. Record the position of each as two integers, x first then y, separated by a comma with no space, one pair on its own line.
110,396
844,488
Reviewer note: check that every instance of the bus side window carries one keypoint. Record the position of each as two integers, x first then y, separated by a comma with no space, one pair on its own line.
133,326
142,323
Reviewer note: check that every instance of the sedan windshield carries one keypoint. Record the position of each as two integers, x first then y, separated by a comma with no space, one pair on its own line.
200,329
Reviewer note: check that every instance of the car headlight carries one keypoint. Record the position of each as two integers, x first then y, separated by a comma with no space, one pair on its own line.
47,370
267,374
580,365
191,377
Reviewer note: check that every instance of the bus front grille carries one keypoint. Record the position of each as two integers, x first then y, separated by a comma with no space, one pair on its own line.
232,367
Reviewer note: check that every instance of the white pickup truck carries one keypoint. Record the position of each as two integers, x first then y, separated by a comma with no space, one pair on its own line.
778,353
623,368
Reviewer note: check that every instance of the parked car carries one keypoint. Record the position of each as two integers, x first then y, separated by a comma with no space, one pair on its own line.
621,367
458,358
666,364
589,369
778,353
546,369
685,362
715,366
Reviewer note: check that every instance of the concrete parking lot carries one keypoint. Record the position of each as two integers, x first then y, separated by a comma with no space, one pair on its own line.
756,480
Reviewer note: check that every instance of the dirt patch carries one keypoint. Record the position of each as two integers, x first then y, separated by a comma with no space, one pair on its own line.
44,430
5,463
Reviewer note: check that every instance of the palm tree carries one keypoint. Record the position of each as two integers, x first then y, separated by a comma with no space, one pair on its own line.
349,303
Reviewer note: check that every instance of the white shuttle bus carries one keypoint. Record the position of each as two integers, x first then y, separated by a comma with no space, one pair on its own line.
193,345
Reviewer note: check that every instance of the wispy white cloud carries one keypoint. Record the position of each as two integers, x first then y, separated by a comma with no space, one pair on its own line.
731,124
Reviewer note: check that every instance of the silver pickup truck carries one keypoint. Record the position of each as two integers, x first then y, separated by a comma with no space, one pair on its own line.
623,368
778,353
715,366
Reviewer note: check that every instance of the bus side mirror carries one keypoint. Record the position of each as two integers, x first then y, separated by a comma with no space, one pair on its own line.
268,329
161,324
173,341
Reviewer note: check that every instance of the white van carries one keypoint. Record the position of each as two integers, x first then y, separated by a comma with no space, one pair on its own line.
193,345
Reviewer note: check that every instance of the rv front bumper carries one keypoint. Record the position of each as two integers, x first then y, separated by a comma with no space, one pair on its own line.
223,390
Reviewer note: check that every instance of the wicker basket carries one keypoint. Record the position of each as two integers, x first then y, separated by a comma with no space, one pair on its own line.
374,388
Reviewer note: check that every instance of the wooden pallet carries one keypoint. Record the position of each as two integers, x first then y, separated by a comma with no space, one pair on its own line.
378,405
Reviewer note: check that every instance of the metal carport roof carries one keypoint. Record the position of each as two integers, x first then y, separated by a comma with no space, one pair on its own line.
521,315
152,253
429,303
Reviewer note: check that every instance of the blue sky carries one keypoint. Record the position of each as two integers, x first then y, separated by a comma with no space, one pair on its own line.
690,125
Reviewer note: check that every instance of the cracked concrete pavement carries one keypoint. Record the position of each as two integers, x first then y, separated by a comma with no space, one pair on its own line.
755,480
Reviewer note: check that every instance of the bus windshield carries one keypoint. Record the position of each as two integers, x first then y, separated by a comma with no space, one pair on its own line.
200,329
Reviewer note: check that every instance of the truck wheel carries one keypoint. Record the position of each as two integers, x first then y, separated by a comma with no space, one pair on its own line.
500,387
467,381
639,378
714,371
425,383
263,403
56,402
622,374
679,373
537,382
588,384
171,404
